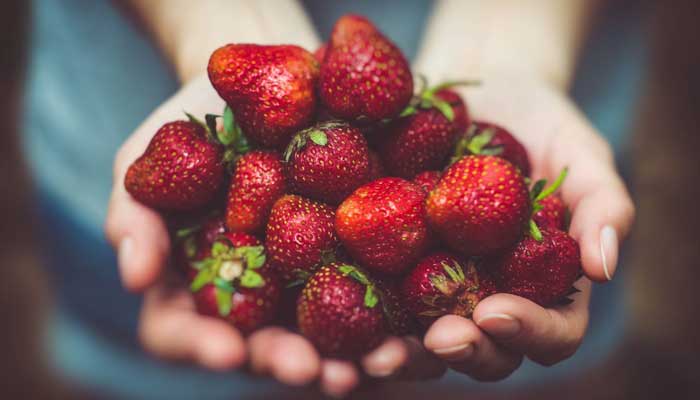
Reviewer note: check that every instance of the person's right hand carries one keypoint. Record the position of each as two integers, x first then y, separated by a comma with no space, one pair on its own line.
171,328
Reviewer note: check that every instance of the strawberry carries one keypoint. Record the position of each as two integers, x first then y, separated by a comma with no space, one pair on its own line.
193,243
340,311
427,180
327,162
376,169
363,76
490,139
443,284
480,206
257,182
233,283
320,53
425,136
543,271
299,235
181,169
399,319
553,213
383,226
269,88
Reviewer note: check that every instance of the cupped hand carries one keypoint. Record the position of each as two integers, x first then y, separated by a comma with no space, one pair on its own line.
171,328
505,328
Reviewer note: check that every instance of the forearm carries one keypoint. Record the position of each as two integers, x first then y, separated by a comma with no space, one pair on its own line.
188,31
478,39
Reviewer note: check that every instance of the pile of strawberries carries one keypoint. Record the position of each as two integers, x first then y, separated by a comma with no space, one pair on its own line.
332,197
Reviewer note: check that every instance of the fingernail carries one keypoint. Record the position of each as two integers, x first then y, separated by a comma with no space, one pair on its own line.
608,250
126,250
502,326
459,352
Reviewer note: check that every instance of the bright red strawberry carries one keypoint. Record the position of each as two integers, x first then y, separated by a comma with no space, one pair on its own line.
376,169
490,139
258,181
364,76
340,312
480,206
425,138
181,169
233,283
327,161
443,284
383,225
552,214
299,235
269,88
543,271
427,180
320,53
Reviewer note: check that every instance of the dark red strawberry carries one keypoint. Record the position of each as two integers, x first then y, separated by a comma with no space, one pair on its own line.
340,311
480,206
269,88
543,271
383,225
427,180
327,161
424,139
490,139
376,169
299,235
443,284
364,76
399,319
552,214
181,169
258,180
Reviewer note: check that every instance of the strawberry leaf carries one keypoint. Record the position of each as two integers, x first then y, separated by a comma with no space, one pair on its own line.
452,273
318,137
554,186
219,249
252,279
409,110
537,189
204,276
224,301
186,232
254,255
190,246
354,273
445,108
371,298
223,285
535,231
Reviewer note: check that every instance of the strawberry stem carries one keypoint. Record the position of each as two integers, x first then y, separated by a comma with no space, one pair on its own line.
535,231
554,186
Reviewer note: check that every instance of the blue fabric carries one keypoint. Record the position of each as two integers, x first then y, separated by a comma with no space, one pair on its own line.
94,77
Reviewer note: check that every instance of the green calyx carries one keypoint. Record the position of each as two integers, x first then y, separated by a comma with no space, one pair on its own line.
538,193
231,136
372,293
315,134
476,141
458,291
427,98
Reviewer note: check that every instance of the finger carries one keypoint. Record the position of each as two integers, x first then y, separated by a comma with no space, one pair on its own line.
286,356
466,349
338,377
421,364
386,359
171,329
545,335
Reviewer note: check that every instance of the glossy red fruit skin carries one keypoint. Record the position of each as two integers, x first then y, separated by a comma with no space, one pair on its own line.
180,169
329,173
418,286
364,75
376,169
271,89
400,322
258,181
424,140
543,272
332,314
298,233
480,206
513,150
383,225
552,214
320,53
427,180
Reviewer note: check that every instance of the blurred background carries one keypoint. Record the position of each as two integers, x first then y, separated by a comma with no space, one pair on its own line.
656,141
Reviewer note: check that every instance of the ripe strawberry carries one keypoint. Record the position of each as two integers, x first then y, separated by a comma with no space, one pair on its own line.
480,206
542,271
181,169
299,235
376,169
269,88
194,243
383,226
399,319
552,214
490,139
444,284
364,76
425,136
320,53
233,283
340,311
327,161
257,182
427,180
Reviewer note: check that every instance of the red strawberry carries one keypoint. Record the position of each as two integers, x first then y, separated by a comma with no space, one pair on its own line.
299,235
181,169
194,243
383,226
376,169
542,271
233,284
490,139
269,88
552,214
340,312
427,180
444,284
327,161
480,206
364,75
425,138
399,319
258,180
320,53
